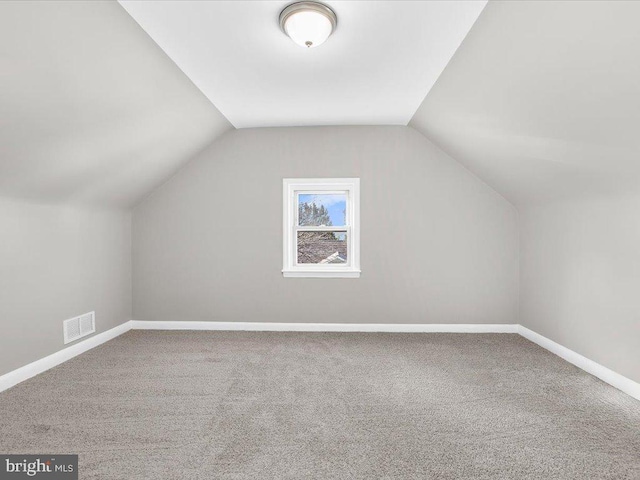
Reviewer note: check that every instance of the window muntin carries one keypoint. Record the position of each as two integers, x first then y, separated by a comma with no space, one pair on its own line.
321,235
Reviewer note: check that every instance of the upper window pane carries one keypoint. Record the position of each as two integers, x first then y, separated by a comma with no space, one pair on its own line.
322,209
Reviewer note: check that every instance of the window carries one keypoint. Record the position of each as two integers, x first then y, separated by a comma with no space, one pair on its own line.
321,227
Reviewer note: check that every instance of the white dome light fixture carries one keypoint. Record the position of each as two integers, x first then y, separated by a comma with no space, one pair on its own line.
308,24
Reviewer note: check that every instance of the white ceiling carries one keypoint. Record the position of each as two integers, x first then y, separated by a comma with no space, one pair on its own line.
91,110
542,100
375,69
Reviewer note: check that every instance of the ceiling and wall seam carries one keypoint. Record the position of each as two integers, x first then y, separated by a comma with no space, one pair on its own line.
166,55
471,172
184,165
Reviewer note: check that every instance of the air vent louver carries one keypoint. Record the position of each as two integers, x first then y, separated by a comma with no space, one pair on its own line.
78,327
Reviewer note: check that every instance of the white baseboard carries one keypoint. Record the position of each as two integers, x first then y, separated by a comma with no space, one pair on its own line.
614,379
326,327
21,374
609,376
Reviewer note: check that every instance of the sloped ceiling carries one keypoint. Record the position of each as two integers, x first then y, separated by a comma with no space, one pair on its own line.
91,110
542,100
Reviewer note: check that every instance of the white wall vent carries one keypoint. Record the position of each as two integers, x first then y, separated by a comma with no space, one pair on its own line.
79,327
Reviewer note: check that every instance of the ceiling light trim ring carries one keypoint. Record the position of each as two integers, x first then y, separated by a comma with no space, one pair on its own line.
308,6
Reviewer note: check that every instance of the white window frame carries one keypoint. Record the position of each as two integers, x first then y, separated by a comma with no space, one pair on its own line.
292,187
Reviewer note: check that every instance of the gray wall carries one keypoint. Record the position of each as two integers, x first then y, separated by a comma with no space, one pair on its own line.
542,101
438,245
59,262
94,115
580,278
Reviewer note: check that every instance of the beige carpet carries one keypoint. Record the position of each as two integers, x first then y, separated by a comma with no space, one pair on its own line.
241,405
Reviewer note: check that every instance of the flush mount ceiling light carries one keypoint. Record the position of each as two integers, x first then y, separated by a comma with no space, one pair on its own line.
308,24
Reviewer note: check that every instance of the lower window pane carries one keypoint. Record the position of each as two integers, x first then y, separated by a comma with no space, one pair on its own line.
322,247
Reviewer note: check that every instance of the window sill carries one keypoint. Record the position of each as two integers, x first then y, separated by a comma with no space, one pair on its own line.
321,273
